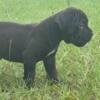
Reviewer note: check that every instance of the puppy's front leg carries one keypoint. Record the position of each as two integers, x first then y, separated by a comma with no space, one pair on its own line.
49,63
29,70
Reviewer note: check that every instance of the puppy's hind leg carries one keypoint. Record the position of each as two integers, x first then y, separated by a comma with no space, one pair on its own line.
29,70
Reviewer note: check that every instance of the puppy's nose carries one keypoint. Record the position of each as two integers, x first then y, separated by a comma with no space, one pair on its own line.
90,35
91,31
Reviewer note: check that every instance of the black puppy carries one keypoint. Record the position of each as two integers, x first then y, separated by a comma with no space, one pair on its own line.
18,43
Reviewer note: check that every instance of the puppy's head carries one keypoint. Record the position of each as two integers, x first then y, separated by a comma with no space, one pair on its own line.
73,24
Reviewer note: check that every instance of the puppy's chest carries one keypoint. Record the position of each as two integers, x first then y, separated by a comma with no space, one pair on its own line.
53,51
44,53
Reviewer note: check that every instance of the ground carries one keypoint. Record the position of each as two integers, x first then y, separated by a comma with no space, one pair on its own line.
78,68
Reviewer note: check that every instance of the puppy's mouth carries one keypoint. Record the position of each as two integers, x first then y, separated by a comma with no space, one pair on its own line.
83,42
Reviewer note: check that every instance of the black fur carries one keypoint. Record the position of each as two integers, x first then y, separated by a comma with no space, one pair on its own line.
30,44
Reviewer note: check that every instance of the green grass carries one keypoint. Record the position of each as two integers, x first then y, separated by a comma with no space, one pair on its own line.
78,68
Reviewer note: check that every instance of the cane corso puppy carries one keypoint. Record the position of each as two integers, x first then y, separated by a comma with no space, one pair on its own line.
20,43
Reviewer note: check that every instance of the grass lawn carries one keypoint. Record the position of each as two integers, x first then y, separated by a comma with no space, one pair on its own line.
78,68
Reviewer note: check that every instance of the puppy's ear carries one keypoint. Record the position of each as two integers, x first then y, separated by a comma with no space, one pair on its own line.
64,24
62,21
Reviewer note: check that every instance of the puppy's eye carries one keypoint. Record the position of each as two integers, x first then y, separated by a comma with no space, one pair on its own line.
81,26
